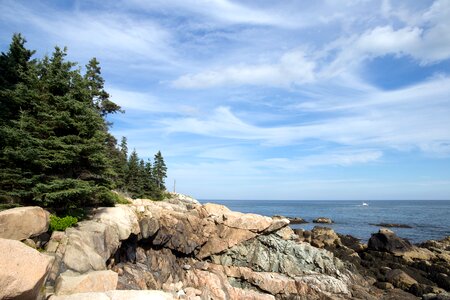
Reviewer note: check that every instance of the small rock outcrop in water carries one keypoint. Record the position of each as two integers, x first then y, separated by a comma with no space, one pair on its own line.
179,249
292,220
323,220
394,225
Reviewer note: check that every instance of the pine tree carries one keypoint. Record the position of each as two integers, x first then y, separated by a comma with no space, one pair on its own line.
159,171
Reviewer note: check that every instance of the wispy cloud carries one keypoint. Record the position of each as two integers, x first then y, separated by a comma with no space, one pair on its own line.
292,68
110,35
382,119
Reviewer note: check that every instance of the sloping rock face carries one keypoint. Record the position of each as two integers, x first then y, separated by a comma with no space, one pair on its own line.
23,270
116,295
96,281
23,222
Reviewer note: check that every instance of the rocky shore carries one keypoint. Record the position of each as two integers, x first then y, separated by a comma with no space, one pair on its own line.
180,249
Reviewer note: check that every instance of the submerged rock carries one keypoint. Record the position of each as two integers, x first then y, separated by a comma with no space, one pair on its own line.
396,225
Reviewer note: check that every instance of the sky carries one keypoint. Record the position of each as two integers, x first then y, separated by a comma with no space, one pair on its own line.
306,100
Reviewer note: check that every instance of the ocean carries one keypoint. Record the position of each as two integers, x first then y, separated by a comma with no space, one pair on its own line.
429,219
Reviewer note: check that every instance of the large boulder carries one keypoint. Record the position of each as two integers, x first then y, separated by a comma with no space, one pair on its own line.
400,279
23,270
23,222
93,242
387,241
122,217
96,281
89,245
228,228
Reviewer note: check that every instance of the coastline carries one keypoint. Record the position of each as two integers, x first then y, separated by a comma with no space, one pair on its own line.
428,219
181,249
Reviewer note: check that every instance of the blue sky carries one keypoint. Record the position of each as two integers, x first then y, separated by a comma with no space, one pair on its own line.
269,99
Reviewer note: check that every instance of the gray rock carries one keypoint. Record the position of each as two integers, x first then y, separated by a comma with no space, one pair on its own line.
270,253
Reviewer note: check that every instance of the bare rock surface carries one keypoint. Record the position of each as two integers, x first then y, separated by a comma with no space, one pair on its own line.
117,295
386,240
21,223
95,281
23,270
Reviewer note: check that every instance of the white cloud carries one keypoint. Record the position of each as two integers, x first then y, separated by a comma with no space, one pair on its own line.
382,40
412,117
292,68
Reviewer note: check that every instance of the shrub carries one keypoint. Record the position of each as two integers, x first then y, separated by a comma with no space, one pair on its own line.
60,224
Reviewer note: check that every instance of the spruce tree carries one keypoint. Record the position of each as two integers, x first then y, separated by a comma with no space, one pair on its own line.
159,171
54,141
133,180
95,85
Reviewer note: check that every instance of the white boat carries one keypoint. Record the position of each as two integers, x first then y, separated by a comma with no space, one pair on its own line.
365,204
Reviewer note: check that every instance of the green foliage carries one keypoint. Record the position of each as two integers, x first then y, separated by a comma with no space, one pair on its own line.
159,171
60,224
120,199
55,148
145,180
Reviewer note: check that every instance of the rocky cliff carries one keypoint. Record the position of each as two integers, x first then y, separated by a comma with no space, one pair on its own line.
180,249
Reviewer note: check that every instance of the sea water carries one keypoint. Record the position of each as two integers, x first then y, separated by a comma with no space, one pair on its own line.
429,219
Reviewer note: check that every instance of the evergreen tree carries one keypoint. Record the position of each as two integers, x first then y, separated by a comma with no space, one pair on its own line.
95,85
55,145
133,180
14,67
124,148
55,148
149,183
120,164
159,171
